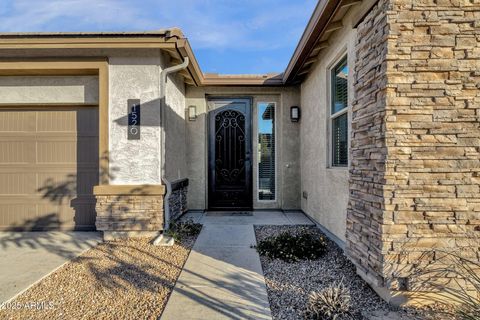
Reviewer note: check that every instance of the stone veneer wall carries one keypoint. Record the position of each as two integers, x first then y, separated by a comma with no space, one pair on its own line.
433,135
129,210
365,214
177,201
415,178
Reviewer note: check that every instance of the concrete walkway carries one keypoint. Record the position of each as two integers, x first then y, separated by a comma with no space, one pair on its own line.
223,277
27,257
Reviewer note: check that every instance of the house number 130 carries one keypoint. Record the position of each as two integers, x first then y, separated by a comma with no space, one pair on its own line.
133,119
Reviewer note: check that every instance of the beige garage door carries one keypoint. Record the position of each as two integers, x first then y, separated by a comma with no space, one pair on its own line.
48,167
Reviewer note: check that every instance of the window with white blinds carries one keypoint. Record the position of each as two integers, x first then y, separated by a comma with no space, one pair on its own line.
266,151
339,114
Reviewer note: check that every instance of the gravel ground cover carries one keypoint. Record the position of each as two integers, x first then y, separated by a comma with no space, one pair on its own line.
289,284
127,279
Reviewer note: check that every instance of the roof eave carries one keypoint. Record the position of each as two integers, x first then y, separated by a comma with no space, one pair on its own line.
319,20
242,80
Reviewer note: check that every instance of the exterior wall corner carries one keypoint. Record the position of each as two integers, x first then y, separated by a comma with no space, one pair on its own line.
413,209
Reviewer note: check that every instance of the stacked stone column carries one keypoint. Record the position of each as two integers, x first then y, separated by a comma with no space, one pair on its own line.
415,172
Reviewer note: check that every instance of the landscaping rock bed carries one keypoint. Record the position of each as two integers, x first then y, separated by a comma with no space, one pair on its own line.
128,279
289,284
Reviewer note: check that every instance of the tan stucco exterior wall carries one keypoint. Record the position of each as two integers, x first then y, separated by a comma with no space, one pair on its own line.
175,129
46,89
326,187
135,75
287,143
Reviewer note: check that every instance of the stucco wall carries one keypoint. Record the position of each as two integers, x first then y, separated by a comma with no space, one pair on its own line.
175,130
135,75
287,143
326,187
57,90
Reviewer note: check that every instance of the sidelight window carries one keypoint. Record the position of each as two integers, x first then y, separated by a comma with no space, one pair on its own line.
266,151
339,114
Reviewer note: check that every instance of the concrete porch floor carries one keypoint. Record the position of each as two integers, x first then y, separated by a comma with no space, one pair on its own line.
257,217
223,277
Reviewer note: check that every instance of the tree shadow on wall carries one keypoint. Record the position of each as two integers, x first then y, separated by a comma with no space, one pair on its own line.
58,194
65,192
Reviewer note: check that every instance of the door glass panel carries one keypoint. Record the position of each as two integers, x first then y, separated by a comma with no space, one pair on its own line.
266,151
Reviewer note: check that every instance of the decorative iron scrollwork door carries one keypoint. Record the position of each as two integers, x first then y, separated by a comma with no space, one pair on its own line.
230,155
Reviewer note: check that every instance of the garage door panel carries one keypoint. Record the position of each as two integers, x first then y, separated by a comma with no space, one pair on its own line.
54,150
55,214
44,214
60,184
65,168
17,151
57,152
73,214
56,185
47,175
21,183
17,215
53,121
17,121
83,121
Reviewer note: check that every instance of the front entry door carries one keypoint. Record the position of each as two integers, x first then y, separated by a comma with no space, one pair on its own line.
230,166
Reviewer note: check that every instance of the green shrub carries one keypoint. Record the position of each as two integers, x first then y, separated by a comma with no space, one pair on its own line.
330,303
291,248
186,228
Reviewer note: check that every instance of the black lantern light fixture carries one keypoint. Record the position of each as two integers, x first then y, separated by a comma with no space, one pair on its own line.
294,114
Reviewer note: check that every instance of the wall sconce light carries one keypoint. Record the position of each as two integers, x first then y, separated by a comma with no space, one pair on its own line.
294,114
192,113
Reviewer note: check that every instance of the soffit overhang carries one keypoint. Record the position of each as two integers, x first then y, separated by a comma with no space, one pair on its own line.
325,20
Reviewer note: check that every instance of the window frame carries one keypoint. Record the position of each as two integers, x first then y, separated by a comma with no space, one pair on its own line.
275,197
343,57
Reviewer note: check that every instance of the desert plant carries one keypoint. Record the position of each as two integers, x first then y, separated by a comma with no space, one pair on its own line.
330,303
468,311
185,228
290,247
462,291
467,269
